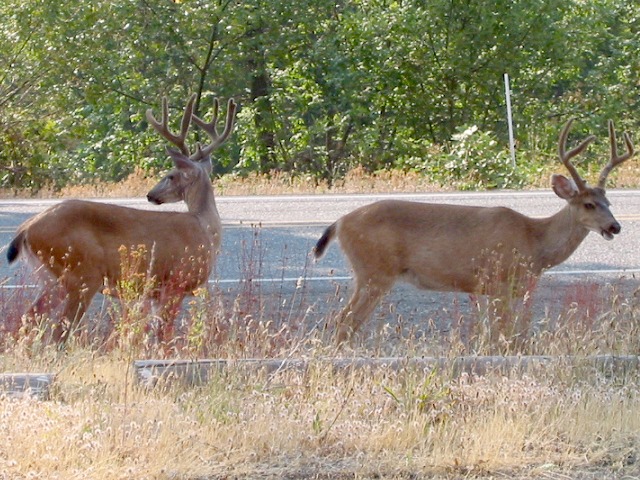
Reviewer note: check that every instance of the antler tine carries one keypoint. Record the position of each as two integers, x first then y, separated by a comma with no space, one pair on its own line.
162,127
615,159
566,157
210,129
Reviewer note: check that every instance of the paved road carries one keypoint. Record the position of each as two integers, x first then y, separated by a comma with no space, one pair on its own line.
268,240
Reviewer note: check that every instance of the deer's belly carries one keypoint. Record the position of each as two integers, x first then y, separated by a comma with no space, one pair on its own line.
442,281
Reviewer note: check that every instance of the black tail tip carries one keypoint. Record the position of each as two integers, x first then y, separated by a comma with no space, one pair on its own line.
317,251
12,252
326,237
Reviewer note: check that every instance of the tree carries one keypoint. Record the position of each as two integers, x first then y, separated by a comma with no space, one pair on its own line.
322,86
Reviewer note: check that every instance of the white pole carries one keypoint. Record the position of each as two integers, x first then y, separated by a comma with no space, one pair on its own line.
507,93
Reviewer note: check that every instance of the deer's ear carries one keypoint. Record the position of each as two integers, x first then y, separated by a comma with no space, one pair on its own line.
204,159
180,160
207,165
563,187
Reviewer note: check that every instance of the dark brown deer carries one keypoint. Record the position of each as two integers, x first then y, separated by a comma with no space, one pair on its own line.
76,245
447,247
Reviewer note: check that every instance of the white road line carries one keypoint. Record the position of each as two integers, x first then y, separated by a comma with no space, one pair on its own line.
341,278
612,271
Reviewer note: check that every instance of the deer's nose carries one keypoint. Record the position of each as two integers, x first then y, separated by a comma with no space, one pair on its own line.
615,228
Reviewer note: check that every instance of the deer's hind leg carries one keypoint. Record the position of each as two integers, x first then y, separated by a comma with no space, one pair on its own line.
363,302
79,293
50,298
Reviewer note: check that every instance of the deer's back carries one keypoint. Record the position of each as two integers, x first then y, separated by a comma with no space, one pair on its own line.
83,235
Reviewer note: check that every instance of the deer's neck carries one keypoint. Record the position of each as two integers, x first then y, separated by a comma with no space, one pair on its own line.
201,202
563,234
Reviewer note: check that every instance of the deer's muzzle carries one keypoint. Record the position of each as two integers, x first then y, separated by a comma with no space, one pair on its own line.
156,201
613,229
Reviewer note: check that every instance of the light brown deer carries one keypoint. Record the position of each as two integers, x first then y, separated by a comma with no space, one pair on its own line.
77,244
448,247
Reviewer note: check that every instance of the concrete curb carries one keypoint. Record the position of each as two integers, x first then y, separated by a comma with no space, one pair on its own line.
199,372
20,385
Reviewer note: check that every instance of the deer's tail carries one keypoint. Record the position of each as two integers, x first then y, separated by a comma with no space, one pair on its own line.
13,251
324,241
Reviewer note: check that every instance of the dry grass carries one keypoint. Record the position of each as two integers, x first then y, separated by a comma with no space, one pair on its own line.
626,175
322,423
317,424
356,180
276,183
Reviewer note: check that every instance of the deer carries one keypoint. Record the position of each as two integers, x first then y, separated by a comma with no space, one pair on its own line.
447,248
76,245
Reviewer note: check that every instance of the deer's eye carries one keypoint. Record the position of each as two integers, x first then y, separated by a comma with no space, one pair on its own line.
590,206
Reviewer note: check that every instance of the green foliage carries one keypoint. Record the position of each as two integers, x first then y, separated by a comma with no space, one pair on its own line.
425,395
475,160
322,86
